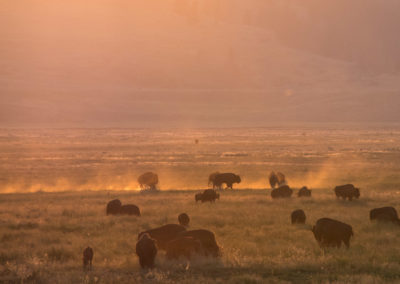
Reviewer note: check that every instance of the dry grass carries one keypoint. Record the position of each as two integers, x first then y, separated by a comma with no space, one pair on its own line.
43,236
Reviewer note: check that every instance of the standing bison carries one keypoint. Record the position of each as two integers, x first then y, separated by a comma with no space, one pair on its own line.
331,233
148,180
276,179
164,234
228,178
385,214
209,195
304,192
347,191
113,207
87,258
298,217
282,192
146,250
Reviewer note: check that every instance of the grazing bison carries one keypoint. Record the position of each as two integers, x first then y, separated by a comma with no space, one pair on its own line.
184,219
228,178
385,214
347,191
129,209
209,195
331,233
207,239
298,217
198,197
164,234
148,180
211,178
146,250
276,179
183,247
282,192
304,192
87,258
113,207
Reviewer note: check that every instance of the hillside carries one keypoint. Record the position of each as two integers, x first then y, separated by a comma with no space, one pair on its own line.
145,64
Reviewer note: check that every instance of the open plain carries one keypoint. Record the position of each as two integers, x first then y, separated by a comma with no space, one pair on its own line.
57,183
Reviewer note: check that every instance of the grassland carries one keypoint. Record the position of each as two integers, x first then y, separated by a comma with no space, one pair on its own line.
56,184
44,234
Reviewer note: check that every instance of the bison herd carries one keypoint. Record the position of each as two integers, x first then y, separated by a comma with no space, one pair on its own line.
179,242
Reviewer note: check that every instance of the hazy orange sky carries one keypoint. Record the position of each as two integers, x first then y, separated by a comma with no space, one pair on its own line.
198,63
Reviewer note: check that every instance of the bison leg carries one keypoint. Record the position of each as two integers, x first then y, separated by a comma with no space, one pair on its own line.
350,198
347,242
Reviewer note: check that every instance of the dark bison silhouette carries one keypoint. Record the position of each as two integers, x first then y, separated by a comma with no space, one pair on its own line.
331,233
384,214
298,217
207,240
87,258
209,195
283,191
211,178
198,197
148,180
184,219
228,178
304,192
347,191
276,179
113,207
164,234
183,247
129,209
146,250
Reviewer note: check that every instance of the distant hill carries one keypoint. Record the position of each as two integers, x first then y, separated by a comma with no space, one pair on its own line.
178,63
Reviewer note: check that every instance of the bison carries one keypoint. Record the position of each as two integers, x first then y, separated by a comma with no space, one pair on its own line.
209,195
347,191
129,209
282,192
113,207
228,178
211,178
331,233
207,239
183,247
385,214
304,192
276,179
87,258
198,197
148,180
298,217
164,234
184,219
146,250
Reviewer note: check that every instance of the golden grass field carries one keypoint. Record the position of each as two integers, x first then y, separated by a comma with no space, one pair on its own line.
57,183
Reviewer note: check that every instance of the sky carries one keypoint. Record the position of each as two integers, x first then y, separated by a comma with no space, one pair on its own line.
192,63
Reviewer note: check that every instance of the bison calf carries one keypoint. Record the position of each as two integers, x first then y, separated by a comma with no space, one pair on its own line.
331,233
87,258
209,195
146,250
298,217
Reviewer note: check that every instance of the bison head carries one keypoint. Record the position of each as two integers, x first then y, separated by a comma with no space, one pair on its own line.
237,179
